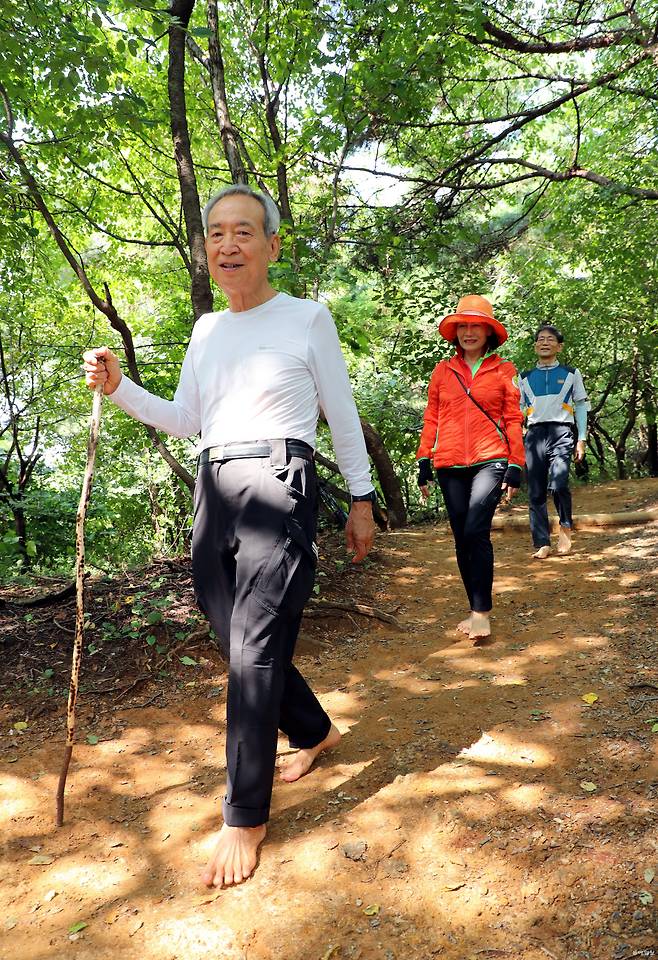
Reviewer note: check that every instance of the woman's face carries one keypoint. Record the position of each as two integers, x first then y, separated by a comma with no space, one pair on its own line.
473,336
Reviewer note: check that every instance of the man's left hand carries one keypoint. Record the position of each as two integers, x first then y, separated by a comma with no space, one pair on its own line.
509,492
360,530
580,451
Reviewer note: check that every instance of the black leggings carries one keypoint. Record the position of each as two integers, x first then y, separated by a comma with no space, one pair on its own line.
471,495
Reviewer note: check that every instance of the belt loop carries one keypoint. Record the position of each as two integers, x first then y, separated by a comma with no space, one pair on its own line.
278,454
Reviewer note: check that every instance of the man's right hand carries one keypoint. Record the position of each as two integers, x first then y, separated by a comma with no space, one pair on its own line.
102,366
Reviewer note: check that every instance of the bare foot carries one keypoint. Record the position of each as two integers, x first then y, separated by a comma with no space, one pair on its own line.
564,540
465,625
542,553
303,760
480,626
235,855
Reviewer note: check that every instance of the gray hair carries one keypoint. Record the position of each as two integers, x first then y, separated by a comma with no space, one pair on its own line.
271,219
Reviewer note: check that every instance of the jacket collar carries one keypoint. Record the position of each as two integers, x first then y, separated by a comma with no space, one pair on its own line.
457,360
548,366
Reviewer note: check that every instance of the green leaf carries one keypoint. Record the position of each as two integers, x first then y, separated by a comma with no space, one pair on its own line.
588,786
77,927
92,739
646,897
188,661
40,860
151,640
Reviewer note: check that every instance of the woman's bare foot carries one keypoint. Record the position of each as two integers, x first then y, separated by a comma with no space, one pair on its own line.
480,626
464,626
235,856
303,760
542,553
564,540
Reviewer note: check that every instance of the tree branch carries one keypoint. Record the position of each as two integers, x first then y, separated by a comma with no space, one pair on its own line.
104,306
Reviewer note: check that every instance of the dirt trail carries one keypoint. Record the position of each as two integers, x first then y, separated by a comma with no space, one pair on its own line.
477,806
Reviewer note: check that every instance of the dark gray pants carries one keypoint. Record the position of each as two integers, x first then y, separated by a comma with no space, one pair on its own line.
254,562
548,451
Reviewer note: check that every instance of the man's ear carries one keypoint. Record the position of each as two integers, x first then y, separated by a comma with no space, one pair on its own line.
275,247
559,347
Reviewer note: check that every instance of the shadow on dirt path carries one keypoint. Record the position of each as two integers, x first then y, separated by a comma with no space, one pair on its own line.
477,806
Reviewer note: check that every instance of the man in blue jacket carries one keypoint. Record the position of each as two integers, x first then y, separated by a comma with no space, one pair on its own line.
553,399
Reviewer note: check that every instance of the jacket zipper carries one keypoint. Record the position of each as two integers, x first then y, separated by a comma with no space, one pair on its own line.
467,424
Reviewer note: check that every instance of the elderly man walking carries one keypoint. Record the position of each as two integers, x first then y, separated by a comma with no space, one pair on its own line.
252,383
553,398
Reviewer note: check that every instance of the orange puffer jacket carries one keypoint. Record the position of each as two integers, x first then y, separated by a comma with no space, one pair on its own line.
455,432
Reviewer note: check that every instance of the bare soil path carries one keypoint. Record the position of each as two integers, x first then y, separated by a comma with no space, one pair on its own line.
478,806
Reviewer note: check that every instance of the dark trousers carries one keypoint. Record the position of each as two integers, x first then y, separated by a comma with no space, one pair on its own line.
471,495
548,451
253,558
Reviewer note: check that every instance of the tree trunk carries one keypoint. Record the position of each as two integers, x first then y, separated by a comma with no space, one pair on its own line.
201,294
228,133
20,526
271,111
620,446
391,489
649,403
652,449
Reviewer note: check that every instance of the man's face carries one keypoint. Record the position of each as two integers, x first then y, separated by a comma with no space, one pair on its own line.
547,346
238,250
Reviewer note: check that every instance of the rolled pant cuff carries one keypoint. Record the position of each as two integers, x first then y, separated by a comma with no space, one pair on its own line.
244,816
307,743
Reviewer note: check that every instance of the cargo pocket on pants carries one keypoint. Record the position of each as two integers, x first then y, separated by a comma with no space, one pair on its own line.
287,581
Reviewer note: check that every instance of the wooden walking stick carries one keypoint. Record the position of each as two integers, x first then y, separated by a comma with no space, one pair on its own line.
94,427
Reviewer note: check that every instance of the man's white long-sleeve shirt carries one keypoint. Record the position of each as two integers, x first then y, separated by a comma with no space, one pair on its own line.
261,374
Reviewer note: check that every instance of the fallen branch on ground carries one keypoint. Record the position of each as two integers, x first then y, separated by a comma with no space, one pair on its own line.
43,601
320,608
622,519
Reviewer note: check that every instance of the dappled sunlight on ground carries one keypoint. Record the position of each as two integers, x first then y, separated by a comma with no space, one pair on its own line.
17,798
476,806
505,750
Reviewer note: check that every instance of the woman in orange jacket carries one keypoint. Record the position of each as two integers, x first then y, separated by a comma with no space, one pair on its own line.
472,436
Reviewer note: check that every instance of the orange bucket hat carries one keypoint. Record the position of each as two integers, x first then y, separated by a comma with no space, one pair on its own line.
472,309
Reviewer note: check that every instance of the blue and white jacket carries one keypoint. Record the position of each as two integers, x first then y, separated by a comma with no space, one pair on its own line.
554,394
